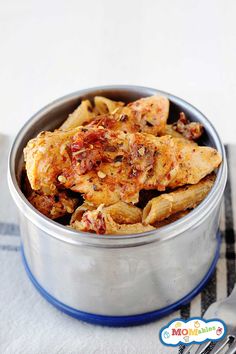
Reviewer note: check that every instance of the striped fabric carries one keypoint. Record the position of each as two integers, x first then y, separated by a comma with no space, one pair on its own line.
220,285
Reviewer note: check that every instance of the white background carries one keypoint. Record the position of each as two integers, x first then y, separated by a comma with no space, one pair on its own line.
51,48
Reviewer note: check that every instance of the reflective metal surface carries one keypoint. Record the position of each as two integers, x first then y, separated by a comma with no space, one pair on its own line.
117,275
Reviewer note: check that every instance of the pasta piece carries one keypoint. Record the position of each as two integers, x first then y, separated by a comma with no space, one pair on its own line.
103,105
171,218
101,222
82,115
121,212
124,213
184,198
78,213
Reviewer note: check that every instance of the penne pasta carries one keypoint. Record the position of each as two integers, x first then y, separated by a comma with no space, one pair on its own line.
104,105
78,213
183,198
120,212
124,213
171,218
101,222
82,115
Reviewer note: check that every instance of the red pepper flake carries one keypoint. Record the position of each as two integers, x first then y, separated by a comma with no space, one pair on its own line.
87,149
110,148
100,225
105,121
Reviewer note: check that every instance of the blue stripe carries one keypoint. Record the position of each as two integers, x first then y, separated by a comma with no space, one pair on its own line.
9,229
9,248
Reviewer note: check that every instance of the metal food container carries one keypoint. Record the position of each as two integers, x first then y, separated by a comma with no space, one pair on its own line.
118,280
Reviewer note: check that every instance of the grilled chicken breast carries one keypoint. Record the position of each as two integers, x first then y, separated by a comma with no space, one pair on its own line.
107,166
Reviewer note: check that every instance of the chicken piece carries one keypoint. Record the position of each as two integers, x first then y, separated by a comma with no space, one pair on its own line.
174,133
148,115
194,162
44,155
101,221
54,205
108,166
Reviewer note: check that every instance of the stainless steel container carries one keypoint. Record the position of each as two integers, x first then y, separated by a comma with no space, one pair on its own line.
117,280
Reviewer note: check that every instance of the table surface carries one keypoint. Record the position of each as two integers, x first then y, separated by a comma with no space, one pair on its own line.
185,47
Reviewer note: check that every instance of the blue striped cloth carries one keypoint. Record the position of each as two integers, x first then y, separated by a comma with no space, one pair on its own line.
29,325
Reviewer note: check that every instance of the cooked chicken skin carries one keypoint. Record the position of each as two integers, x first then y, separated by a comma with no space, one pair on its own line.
107,166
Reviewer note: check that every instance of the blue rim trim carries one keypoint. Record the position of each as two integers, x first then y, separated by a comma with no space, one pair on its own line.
123,321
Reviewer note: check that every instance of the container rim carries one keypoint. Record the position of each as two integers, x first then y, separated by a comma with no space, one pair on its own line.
164,233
